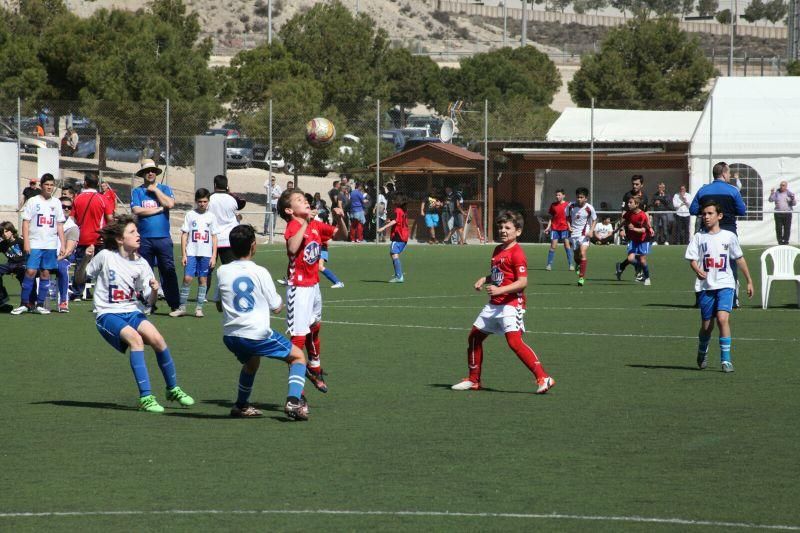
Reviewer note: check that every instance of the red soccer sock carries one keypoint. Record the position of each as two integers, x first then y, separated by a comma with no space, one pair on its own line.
583,268
525,353
475,354
312,344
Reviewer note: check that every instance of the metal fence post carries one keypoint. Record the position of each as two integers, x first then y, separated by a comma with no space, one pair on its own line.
486,170
270,158
19,149
711,135
166,165
591,152
378,161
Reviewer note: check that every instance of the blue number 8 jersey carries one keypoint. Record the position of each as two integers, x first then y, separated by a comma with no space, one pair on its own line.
247,294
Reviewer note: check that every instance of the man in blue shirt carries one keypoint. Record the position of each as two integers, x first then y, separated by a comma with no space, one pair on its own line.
357,218
151,203
725,194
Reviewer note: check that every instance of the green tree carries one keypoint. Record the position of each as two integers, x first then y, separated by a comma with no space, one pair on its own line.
514,118
707,8
411,80
596,5
775,10
502,74
644,65
622,5
755,11
343,51
724,16
793,68
687,7
21,72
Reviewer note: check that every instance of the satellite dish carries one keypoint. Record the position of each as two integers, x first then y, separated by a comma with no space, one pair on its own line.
446,133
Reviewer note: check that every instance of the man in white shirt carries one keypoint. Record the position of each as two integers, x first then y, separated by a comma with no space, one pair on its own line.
224,207
681,201
273,191
42,231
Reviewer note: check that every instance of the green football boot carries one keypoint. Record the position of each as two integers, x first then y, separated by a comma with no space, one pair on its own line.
149,404
176,394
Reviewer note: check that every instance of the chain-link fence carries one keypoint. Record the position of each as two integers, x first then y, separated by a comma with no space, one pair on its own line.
497,158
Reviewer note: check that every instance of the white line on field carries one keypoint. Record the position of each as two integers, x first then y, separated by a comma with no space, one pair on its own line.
473,294
444,514
545,308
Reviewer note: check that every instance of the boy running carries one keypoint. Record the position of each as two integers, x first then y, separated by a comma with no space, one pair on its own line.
198,251
558,228
582,219
710,254
120,273
399,238
246,295
42,231
304,239
503,314
638,232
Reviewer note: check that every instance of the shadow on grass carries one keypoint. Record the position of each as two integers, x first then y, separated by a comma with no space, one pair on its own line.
375,281
673,306
666,367
90,405
260,406
483,389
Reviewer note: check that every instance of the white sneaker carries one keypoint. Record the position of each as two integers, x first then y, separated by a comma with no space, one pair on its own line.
545,384
181,311
339,285
198,312
548,267
572,267
19,310
466,384
647,281
41,310
281,281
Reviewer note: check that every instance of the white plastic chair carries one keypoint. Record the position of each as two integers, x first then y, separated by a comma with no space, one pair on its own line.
783,258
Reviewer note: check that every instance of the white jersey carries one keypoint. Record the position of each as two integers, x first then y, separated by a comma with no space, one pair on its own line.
715,253
44,216
580,219
71,232
117,280
224,207
199,228
248,295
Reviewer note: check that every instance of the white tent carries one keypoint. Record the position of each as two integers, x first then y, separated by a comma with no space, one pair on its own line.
753,124
622,125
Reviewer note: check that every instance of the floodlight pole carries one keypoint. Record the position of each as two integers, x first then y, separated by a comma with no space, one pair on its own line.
378,159
166,164
270,159
486,171
591,152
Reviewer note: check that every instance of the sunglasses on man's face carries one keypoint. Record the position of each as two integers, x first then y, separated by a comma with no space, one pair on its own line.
66,206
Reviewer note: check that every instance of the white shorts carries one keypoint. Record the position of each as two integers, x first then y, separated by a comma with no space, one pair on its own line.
580,240
500,319
303,308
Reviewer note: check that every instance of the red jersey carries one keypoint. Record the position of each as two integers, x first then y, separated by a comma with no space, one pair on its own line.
110,196
400,229
508,265
639,220
303,270
89,211
558,216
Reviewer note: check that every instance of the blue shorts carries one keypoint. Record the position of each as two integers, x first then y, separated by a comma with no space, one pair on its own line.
397,247
275,346
42,259
111,324
197,267
639,248
559,235
713,301
432,220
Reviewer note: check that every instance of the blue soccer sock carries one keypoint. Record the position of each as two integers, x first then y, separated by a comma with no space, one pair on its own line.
27,287
201,295
570,256
725,349
702,344
140,372
245,388
297,379
398,268
328,273
550,255
184,293
44,290
646,271
167,367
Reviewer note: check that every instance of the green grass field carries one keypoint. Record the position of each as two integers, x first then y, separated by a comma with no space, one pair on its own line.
632,438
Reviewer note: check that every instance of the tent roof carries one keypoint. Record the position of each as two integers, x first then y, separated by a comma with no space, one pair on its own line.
621,125
752,116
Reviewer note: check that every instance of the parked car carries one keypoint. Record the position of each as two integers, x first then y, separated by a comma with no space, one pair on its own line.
395,138
126,149
239,152
228,133
28,143
263,159
349,143
433,124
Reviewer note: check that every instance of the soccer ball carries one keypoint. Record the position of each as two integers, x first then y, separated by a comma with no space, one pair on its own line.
320,132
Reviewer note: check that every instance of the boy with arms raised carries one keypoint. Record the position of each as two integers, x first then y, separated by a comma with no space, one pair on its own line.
558,228
582,219
304,239
505,285
638,232
246,295
198,251
710,254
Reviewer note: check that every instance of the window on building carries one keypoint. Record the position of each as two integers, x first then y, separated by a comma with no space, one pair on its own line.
747,179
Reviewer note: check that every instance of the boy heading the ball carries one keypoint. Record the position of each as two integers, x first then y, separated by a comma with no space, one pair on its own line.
505,285
710,254
304,239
